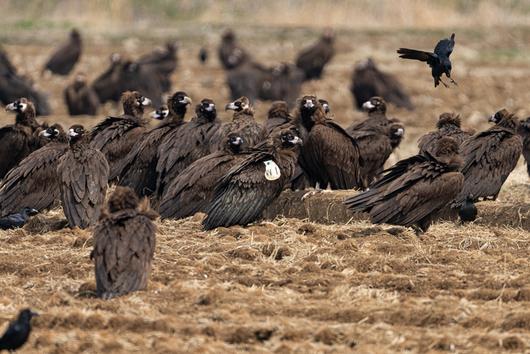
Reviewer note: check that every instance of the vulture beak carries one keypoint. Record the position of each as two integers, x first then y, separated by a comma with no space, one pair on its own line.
72,133
45,134
238,141
296,140
146,101
11,107
492,119
309,104
231,106
368,105
400,132
186,100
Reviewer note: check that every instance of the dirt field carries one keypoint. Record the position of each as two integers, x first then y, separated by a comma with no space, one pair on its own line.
289,285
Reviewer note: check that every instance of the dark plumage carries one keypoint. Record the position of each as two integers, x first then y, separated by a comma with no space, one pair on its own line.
369,81
278,115
489,158
231,54
193,188
313,59
139,166
83,174
124,245
16,220
160,113
438,61
116,136
448,125
20,139
191,142
107,85
524,132
397,132
80,98
203,55
415,189
329,156
142,78
18,331
468,211
242,123
163,62
249,187
34,181
64,59
376,109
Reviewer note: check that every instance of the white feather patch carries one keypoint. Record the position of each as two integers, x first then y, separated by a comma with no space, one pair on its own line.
272,171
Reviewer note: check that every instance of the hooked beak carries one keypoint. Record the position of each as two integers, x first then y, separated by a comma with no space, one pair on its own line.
238,141
309,104
186,100
492,119
368,105
45,134
296,141
11,107
231,106
210,107
400,132
146,101
72,133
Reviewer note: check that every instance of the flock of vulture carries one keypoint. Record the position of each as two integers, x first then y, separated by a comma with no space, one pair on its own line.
233,171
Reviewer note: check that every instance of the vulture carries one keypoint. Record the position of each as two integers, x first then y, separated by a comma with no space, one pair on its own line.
524,131
438,61
278,115
242,123
160,113
244,192
448,125
178,150
142,78
329,156
139,166
193,188
17,220
14,86
231,54
116,136
83,174
80,98
163,63
369,81
414,190
34,181
18,331
65,58
489,158
376,109
20,139
107,85
313,59
124,245
397,132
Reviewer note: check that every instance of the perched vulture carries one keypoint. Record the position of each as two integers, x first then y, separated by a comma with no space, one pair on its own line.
524,131
117,136
231,54
81,98
414,190
249,187
448,125
376,109
368,81
163,62
65,58
329,156
242,123
313,59
160,113
191,142
20,139
107,85
34,182
489,158
278,115
397,132
193,188
124,245
83,174
139,169
142,78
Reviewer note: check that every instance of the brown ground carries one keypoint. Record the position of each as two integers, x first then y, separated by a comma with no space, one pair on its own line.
290,285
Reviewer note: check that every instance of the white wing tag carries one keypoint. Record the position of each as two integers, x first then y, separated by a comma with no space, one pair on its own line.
272,171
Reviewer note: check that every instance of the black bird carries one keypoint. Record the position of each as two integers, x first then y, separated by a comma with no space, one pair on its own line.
18,331
468,210
438,61
66,56
16,220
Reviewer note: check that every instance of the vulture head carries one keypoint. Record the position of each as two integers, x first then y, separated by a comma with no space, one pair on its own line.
447,152
206,109
134,103
123,198
308,104
328,35
288,138
446,119
365,64
396,134
497,117
325,105
505,119
160,114
239,105
76,133
23,107
75,35
53,132
80,80
375,105
178,103
278,109
235,143
228,36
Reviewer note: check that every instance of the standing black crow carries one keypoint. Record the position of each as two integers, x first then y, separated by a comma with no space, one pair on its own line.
18,331
438,61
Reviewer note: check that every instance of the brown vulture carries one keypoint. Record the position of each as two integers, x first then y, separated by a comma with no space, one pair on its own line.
524,131
242,123
83,174
117,136
124,245
107,84
329,156
231,54
489,158
413,190
448,125
313,59
80,98
34,182
277,115
376,109
20,139
163,62
193,188
139,169
397,132
249,187
369,81
66,56
178,150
